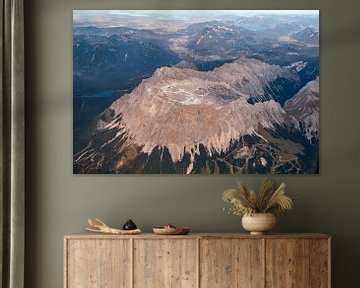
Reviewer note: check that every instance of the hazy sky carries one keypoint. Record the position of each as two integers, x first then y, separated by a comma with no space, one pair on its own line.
141,13
187,12
178,18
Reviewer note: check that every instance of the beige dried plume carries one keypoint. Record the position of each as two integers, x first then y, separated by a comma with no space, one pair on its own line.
267,200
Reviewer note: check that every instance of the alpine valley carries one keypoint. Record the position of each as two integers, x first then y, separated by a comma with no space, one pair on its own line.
196,92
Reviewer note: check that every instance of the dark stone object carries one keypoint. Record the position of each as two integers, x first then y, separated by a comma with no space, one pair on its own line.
129,225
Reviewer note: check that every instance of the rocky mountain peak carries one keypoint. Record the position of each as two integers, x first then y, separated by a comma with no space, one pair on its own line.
180,108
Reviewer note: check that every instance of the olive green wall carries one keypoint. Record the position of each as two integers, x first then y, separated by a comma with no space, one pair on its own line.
59,202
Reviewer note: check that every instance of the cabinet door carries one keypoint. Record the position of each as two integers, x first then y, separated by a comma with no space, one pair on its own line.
231,263
287,263
320,263
166,263
98,263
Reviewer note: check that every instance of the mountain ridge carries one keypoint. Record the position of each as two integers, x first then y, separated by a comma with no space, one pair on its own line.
179,110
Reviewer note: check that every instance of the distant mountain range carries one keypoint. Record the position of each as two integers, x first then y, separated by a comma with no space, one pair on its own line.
106,58
223,96
307,35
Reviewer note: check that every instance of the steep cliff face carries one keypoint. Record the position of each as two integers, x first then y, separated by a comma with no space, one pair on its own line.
185,121
304,108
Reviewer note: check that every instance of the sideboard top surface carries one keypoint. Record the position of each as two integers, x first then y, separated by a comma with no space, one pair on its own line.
86,235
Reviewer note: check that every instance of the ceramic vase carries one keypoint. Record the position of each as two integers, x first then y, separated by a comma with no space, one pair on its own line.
259,223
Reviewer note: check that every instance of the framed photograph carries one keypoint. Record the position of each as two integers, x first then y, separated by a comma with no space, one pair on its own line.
196,92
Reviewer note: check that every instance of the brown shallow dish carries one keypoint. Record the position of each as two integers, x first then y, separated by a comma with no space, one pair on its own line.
171,231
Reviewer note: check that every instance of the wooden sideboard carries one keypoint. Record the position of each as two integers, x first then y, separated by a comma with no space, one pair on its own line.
197,260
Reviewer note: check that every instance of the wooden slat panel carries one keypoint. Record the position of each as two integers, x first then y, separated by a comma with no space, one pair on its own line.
200,260
98,264
164,263
231,263
88,235
287,263
319,263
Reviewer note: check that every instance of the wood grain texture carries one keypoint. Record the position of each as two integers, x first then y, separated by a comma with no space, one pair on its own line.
197,260
287,263
231,263
319,263
98,264
165,263
88,235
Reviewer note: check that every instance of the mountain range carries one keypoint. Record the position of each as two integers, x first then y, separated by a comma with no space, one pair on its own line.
214,97
179,114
